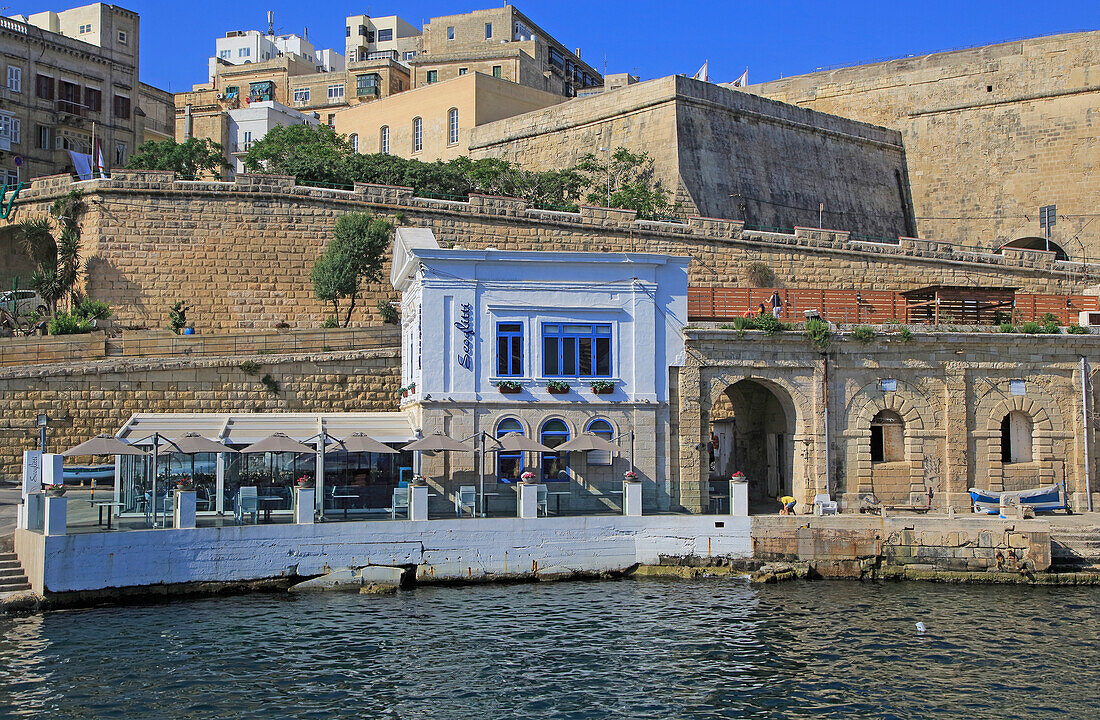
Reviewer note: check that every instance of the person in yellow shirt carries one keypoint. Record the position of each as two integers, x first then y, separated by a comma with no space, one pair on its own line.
788,504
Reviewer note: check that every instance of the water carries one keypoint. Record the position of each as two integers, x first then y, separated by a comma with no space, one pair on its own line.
628,649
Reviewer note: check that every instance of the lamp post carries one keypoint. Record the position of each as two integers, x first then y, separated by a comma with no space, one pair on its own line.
42,421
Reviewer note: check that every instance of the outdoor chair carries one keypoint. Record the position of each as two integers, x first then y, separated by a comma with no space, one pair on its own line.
465,499
824,506
247,504
204,499
541,497
400,502
162,508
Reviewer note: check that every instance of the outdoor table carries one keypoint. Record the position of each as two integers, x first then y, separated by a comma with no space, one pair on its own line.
100,504
265,499
344,497
557,499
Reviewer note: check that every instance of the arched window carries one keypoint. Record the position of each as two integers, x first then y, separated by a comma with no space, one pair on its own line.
384,140
602,428
887,437
555,466
418,134
452,123
509,464
354,137
1016,438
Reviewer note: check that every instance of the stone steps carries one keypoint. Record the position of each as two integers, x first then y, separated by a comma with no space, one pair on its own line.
12,577
1076,548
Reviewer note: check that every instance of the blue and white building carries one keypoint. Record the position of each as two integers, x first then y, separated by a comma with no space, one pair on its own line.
549,344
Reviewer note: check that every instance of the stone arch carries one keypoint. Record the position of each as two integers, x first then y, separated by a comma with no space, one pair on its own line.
1046,467
907,482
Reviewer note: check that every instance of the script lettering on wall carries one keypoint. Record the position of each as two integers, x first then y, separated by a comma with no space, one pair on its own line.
465,326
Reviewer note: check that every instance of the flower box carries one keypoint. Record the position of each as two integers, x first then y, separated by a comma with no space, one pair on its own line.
603,387
558,389
509,387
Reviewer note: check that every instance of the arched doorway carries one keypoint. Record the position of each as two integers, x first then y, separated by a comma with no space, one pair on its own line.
752,427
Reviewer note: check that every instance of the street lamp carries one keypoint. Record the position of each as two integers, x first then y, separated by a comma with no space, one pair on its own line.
42,421
608,151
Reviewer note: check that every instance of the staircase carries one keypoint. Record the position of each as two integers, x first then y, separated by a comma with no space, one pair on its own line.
1075,549
12,577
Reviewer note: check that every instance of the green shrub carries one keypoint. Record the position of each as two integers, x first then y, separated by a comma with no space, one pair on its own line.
759,274
863,333
249,367
331,322
1076,330
271,384
770,325
92,309
1050,327
64,323
818,332
1008,327
905,335
1048,318
1031,327
389,313
177,316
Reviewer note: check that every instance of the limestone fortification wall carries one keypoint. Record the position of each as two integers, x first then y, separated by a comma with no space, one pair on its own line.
990,133
725,153
241,252
84,399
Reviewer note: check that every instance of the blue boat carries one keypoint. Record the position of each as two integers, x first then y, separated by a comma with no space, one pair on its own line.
1043,499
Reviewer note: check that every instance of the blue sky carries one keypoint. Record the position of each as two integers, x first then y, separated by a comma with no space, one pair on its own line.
653,39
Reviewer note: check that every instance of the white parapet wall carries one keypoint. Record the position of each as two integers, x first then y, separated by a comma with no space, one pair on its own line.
460,549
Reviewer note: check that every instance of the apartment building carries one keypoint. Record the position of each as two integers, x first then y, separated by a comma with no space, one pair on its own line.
504,43
65,72
244,47
365,36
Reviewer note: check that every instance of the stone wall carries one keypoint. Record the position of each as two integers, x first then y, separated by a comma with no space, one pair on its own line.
990,133
241,252
85,399
725,153
951,391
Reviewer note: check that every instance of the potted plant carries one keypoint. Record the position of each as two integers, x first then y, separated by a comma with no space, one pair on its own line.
419,480
55,490
603,387
306,481
527,477
184,484
557,387
630,476
508,387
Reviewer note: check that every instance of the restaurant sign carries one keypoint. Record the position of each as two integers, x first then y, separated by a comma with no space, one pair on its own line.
465,326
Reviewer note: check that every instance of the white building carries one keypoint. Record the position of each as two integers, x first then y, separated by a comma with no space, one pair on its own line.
251,122
549,344
365,35
241,47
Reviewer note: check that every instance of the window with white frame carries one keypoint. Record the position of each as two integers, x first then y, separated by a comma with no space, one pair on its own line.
10,129
123,37
45,137
384,140
354,137
452,124
335,92
418,134
87,28
225,54
11,177
450,33
15,78
301,95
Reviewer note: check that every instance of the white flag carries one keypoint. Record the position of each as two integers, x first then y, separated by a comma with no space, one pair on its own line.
702,74
743,80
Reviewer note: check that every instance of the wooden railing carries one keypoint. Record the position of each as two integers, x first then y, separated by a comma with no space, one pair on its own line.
859,307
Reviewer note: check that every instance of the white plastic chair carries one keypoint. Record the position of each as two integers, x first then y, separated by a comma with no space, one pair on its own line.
400,502
825,506
247,504
541,504
465,499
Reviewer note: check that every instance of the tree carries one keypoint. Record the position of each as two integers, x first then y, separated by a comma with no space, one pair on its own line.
631,179
192,157
55,251
311,153
356,254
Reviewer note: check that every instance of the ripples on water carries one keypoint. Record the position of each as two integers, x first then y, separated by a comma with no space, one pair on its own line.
629,649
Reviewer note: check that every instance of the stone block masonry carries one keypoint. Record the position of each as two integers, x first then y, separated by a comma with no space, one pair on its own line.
85,399
241,252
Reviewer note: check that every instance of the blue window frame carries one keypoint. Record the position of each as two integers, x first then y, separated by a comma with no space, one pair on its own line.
576,350
510,463
509,349
555,466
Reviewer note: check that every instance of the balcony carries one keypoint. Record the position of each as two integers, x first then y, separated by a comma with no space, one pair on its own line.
367,91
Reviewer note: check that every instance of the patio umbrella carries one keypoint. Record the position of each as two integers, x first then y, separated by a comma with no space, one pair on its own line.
518,442
585,442
437,442
104,445
360,442
276,443
193,443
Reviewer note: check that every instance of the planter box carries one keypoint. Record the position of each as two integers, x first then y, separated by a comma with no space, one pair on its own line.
558,391
603,391
509,390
